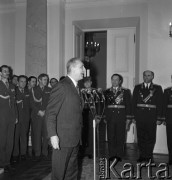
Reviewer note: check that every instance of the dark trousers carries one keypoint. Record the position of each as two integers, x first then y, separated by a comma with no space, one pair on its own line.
65,163
169,139
87,132
116,132
40,141
146,131
21,138
6,142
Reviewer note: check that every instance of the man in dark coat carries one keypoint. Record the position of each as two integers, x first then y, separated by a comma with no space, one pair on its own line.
22,127
39,100
147,109
64,122
8,118
118,116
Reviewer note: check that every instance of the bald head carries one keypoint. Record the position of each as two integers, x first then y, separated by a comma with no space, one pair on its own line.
148,76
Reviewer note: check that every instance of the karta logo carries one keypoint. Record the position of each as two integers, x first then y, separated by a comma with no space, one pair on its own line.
106,169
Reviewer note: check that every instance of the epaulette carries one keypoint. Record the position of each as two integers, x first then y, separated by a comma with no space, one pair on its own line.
168,88
140,84
124,88
155,84
107,90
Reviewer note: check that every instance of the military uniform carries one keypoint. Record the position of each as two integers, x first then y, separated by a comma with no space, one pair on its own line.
167,113
147,109
8,116
22,127
118,110
39,101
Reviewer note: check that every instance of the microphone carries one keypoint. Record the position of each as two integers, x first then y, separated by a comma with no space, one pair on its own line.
94,92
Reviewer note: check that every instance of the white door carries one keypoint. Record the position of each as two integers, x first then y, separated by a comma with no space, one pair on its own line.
78,45
121,59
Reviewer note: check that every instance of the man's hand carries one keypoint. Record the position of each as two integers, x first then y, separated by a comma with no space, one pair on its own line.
98,119
134,121
41,113
164,123
55,142
128,122
16,121
159,122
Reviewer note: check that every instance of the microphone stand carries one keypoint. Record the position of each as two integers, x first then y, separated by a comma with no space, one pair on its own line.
94,147
94,128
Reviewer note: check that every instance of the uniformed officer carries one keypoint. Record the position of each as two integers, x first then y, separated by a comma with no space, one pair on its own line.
22,127
147,109
39,101
8,118
32,82
167,114
118,116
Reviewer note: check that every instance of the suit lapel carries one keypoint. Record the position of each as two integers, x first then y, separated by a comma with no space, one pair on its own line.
72,85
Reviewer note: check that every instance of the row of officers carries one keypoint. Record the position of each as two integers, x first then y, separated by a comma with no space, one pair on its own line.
148,107
21,106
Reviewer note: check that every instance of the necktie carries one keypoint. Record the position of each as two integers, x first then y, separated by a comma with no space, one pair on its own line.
22,91
147,87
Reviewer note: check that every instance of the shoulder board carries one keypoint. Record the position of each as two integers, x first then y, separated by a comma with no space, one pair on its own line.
140,84
168,88
156,85
48,88
107,89
124,88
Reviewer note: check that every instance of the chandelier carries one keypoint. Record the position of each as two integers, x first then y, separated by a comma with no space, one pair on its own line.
91,46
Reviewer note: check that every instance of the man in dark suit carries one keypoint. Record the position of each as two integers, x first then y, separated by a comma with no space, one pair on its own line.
147,108
64,122
8,118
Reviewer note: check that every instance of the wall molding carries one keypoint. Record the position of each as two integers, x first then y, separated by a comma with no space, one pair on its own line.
53,2
11,7
20,3
73,4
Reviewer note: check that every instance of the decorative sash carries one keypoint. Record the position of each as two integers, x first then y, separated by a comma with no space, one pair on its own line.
149,96
4,97
35,99
20,101
119,98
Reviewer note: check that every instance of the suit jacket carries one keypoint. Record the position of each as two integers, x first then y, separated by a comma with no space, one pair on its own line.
8,108
64,113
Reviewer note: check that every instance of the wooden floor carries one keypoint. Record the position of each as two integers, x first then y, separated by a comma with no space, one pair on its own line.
29,170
